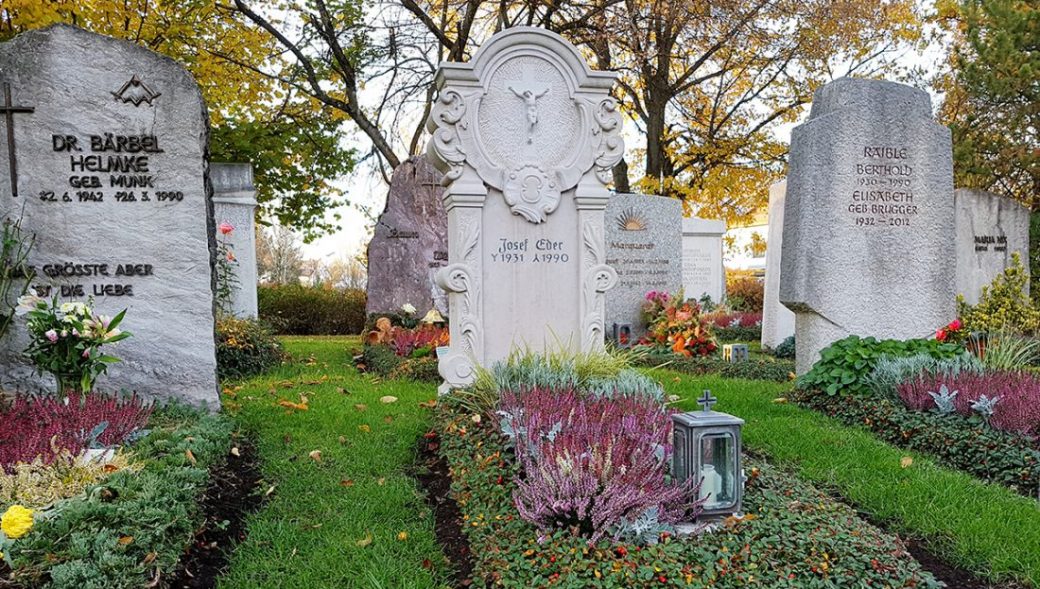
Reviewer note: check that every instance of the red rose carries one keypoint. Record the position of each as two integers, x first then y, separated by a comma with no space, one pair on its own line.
954,325
940,335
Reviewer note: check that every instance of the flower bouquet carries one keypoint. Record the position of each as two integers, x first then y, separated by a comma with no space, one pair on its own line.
66,340
676,325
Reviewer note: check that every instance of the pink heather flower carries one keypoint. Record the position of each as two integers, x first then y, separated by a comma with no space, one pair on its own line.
226,228
52,335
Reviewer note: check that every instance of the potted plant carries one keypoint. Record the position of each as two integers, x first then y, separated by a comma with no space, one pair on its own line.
66,340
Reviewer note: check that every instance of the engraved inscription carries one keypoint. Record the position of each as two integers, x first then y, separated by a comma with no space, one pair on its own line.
883,195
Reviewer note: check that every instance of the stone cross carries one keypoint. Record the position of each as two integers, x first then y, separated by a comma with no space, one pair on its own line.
707,401
530,91
9,109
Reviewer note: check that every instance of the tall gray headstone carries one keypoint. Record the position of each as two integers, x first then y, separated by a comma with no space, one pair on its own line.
990,228
777,320
410,242
868,244
644,246
234,202
109,171
526,135
703,270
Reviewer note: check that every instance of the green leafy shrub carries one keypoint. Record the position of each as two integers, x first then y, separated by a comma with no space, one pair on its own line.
965,443
738,334
846,364
1003,305
134,526
245,348
794,529
786,349
302,310
745,293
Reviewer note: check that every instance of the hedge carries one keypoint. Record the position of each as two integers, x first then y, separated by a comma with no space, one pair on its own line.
302,310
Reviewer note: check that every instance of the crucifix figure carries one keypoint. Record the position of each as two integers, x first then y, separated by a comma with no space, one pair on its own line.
9,109
529,91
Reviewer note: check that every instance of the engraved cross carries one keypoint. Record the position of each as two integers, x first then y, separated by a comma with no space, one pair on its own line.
529,91
9,110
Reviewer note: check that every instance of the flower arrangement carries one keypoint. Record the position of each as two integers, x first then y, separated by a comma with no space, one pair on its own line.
595,465
66,340
408,342
676,326
227,278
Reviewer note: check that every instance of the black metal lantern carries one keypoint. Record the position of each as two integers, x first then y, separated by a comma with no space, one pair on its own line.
707,449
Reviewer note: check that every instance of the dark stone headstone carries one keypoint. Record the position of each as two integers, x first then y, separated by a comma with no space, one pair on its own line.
410,242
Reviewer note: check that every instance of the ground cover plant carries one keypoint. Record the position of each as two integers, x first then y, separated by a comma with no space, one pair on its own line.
131,528
337,450
794,535
979,527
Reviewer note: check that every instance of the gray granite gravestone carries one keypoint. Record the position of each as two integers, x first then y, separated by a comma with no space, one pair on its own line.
526,135
777,320
990,228
410,243
644,246
868,242
109,171
234,202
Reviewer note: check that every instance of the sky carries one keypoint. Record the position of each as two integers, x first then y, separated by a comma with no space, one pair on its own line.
366,191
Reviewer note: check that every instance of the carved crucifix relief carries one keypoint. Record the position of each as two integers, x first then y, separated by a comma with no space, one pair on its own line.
529,91
9,110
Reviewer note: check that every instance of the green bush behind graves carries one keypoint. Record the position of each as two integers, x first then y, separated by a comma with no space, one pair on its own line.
843,366
302,310
245,348
135,525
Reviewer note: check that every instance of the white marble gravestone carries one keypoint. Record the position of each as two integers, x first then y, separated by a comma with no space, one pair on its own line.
234,202
109,171
868,246
644,246
703,271
777,320
990,228
526,135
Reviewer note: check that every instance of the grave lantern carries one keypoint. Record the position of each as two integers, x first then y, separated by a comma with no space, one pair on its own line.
622,335
707,449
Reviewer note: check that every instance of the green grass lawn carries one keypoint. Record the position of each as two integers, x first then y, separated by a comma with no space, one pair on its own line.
983,528
335,522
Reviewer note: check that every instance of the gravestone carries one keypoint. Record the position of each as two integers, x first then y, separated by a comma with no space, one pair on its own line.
644,239
526,135
990,228
410,243
703,271
234,202
868,246
109,171
777,320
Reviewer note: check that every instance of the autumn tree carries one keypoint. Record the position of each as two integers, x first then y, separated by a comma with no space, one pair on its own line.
279,257
992,95
293,143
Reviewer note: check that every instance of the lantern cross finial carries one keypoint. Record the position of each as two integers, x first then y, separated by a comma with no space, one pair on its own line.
707,401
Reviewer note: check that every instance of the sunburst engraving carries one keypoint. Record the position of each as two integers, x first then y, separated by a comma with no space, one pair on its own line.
630,220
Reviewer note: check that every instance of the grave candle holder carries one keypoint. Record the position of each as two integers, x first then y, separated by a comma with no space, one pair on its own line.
707,447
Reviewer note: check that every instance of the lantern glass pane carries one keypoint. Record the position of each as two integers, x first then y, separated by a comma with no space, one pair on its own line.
718,470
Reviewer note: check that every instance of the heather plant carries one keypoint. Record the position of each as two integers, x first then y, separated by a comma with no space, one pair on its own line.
45,428
890,371
1018,408
594,465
